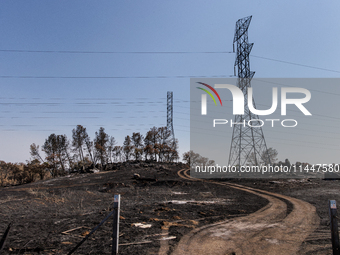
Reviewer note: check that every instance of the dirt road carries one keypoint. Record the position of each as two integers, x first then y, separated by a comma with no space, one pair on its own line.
274,229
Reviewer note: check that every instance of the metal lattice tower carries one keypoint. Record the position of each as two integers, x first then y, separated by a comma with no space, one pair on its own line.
169,122
248,146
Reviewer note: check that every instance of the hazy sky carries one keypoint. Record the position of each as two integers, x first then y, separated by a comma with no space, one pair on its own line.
99,65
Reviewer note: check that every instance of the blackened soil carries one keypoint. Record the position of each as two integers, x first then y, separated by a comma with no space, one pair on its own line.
52,216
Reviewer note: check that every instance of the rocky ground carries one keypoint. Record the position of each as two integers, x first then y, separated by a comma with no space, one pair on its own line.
52,216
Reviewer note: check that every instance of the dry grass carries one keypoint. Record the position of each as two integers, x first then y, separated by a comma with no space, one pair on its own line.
47,196
74,201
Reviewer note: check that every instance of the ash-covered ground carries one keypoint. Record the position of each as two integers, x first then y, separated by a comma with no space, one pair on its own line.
157,206
52,216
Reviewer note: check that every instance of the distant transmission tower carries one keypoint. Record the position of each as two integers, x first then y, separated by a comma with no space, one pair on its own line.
248,145
169,122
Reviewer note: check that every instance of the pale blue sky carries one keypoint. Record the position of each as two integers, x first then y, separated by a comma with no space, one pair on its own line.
303,32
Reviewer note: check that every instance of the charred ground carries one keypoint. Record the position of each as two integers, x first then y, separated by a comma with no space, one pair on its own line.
52,216
41,212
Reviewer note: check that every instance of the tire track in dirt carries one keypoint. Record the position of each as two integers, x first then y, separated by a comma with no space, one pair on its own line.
268,231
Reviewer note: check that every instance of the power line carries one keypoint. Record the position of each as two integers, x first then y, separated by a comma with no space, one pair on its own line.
300,145
123,104
116,52
271,82
160,52
296,64
113,77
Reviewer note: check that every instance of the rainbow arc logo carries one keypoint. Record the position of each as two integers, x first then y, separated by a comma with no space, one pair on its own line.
209,93
204,97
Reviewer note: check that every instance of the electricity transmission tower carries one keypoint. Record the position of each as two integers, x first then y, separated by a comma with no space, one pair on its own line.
169,122
248,145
